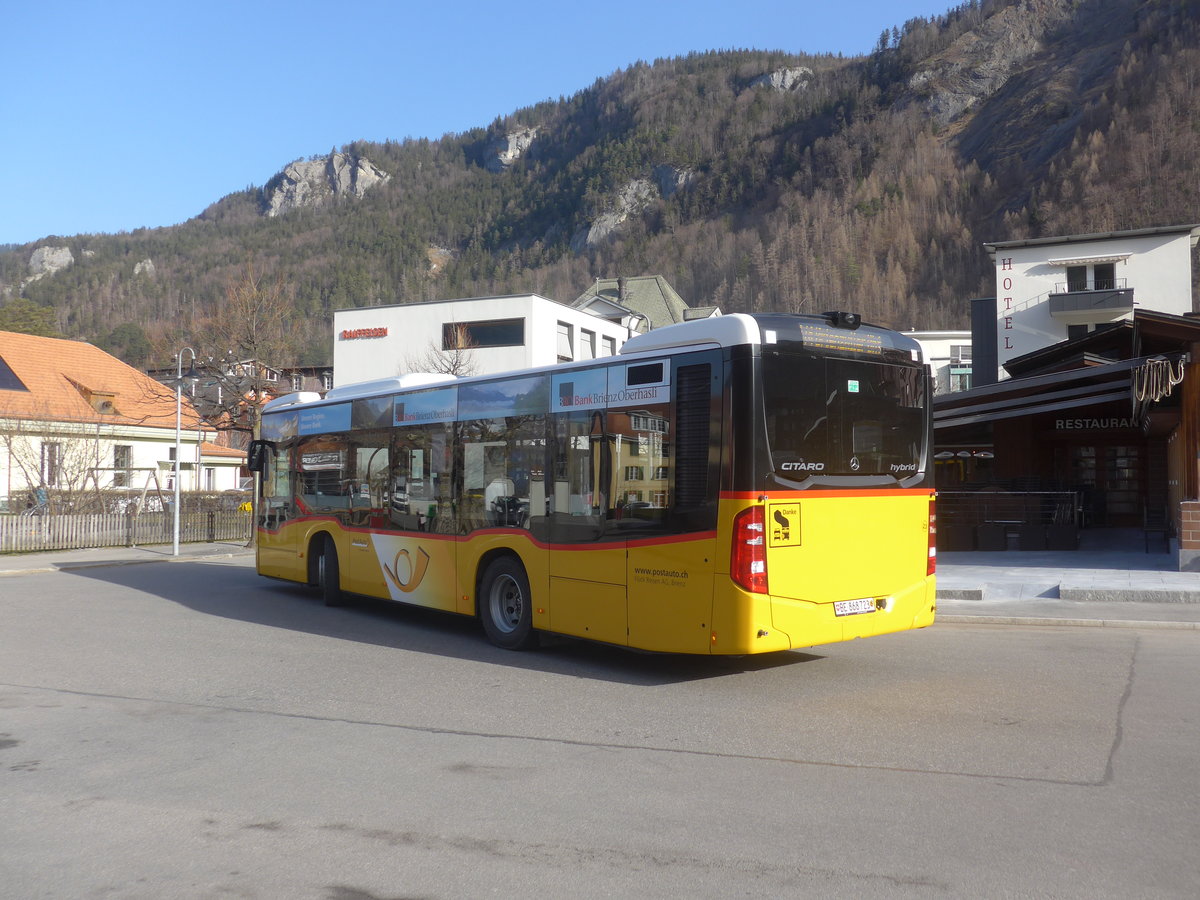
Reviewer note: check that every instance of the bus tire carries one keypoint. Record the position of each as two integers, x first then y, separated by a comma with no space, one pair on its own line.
329,577
505,604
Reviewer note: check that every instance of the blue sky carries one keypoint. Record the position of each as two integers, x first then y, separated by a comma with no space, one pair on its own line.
129,114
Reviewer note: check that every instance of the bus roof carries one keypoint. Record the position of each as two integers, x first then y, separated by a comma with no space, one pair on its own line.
833,331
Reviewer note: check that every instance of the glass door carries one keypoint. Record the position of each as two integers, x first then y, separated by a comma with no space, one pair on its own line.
1109,478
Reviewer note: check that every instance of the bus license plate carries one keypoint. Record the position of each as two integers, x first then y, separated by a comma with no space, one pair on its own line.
854,607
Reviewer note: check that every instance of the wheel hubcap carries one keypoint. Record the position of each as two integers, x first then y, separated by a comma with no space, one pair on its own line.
506,603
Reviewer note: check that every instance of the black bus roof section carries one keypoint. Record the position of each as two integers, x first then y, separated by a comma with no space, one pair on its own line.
822,334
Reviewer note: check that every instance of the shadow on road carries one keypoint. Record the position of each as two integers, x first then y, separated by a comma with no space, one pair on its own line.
231,589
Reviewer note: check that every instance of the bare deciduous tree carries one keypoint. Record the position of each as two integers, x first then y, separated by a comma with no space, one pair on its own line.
238,349
457,359
58,460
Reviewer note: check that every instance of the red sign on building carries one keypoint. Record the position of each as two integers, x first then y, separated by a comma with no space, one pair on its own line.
354,334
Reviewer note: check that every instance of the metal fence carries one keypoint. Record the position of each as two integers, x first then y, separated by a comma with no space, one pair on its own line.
26,533
1008,507
1002,520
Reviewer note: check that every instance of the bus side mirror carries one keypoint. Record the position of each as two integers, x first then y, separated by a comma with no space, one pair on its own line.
256,455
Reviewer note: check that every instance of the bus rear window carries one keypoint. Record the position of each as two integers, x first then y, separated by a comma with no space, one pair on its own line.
843,417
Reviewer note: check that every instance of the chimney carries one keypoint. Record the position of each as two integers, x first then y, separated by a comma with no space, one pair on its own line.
621,290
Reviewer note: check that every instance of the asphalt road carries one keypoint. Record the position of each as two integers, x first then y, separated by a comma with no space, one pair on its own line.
189,730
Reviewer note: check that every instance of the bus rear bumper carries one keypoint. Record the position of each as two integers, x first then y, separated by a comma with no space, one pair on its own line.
809,624
781,623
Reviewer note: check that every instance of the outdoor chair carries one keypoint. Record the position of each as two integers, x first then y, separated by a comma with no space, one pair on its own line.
1156,522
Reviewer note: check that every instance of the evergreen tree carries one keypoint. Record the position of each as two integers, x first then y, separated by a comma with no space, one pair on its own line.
26,317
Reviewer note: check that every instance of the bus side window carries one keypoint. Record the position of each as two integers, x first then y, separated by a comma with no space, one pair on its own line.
581,469
277,477
639,442
420,481
368,477
322,477
410,477
576,462
275,484
500,457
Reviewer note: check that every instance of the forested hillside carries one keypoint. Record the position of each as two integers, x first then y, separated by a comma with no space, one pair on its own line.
865,183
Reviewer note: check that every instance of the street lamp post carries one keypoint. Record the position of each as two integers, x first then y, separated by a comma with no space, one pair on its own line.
191,376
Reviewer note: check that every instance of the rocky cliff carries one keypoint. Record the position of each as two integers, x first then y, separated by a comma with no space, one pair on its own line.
794,78
317,181
632,199
48,260
977,65
505,150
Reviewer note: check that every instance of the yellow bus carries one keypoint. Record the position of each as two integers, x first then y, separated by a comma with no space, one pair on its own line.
740,484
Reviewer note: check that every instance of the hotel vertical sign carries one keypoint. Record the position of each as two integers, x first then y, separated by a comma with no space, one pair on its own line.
1008,308
1006,300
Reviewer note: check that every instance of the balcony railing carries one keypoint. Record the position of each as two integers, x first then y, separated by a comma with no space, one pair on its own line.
1099,284
1080,307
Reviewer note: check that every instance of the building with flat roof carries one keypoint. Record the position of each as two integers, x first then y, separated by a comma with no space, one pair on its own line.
482,334
1058,288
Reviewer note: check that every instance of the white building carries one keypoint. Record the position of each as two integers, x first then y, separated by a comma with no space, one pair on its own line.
74,419
1051,289
948,354
496,334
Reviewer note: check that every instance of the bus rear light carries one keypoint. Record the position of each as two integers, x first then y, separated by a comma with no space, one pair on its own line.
931,566
748,558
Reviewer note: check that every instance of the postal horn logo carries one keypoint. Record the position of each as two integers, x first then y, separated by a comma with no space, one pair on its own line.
407,575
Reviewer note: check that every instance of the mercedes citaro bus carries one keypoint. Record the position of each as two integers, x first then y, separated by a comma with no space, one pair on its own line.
740,484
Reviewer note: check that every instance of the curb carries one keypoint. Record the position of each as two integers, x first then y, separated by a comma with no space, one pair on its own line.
1128,595
960,594
1087,595
951,619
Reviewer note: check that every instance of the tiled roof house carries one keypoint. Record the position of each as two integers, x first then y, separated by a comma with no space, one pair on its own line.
73,417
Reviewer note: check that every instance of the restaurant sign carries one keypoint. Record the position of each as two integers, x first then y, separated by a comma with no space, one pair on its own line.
1092,424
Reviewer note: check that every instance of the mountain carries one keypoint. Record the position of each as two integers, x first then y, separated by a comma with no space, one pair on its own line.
752,180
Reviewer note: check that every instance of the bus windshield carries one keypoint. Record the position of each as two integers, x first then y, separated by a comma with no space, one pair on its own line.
844,417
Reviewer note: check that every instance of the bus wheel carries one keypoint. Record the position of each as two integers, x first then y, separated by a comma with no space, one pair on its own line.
329,578
505,605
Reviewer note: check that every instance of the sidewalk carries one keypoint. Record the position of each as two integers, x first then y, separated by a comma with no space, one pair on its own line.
1111,580
61,560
